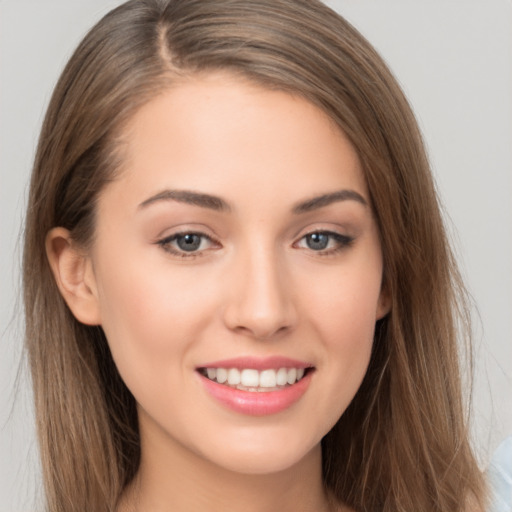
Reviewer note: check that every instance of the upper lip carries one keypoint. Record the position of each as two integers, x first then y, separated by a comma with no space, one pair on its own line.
257,363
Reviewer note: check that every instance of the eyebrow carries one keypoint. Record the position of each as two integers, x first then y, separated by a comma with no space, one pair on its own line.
217,204
188,197
326,199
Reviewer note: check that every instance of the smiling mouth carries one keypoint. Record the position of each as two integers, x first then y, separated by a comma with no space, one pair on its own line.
252,380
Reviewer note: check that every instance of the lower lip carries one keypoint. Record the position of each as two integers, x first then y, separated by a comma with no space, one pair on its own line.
256,403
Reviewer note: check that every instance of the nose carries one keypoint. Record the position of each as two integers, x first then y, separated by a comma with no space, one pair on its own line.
261,303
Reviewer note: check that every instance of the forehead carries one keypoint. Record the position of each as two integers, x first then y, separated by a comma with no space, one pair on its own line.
218,130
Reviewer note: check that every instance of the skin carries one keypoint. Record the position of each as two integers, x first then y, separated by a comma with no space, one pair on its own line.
255,287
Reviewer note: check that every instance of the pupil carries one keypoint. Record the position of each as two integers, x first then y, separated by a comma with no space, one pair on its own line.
317,241
189,242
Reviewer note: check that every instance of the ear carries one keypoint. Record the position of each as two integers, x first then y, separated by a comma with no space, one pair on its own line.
384,303
73,272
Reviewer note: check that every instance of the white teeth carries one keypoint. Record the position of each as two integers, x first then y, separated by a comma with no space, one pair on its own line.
252,380
268,379
282,377
222,375
233,377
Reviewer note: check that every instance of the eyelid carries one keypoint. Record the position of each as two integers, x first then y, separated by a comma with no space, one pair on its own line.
166,241
343,241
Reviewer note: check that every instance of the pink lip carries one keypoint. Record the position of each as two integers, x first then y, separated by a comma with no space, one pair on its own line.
255,363
256,403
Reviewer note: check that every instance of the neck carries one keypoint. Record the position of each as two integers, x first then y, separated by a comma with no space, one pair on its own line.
171,478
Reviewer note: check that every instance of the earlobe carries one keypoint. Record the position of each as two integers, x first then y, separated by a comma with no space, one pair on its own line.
384,304
73,273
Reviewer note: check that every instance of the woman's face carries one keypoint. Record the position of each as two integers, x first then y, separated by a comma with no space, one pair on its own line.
237,243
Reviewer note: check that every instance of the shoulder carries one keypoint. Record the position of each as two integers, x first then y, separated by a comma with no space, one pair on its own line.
499,478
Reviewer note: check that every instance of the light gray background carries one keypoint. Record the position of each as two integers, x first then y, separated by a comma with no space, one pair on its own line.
454,60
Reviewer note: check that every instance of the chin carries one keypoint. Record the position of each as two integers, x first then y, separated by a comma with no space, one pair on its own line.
258,456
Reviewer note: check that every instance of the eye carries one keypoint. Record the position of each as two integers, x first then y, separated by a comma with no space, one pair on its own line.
187,244
326,242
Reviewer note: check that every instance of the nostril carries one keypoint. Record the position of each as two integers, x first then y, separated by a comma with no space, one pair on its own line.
262,332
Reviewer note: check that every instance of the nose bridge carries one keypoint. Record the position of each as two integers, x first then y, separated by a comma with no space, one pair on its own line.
261,303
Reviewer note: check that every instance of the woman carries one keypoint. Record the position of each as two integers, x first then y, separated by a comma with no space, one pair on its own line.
247,297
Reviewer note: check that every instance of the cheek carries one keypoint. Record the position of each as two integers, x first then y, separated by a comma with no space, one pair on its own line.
343,317
348,332
152,321
345,306
150,315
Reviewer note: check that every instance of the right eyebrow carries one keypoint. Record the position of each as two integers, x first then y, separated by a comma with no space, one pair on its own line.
323,200
188,197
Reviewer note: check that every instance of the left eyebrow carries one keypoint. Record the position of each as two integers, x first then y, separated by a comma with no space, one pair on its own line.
326,199
188,197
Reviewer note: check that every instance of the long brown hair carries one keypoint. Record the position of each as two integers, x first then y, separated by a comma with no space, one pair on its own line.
402,444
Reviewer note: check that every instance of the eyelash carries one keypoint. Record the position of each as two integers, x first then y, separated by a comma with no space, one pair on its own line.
342,242
166,242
